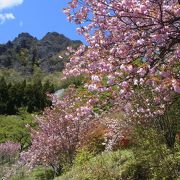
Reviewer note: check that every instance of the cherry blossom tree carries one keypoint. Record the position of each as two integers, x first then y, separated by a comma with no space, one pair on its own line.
133,51
132,56
62,128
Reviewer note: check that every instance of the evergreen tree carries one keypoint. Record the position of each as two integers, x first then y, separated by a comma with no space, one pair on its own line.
32,96
3,96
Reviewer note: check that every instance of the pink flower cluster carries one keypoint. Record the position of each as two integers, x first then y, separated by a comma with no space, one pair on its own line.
133,44
9,150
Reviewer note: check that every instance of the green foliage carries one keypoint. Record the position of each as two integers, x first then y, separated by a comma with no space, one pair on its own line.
77,81
37,74
11,76
149,159
54,78
12,128
23,94
82,157
105,102
107,166
136,171
35,96
14,77
3,95
153,160
22,56
39,173
138,62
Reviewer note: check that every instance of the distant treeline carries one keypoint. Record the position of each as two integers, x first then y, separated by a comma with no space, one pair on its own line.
31,96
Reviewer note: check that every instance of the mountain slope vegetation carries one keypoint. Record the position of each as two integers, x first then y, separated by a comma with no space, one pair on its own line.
26,52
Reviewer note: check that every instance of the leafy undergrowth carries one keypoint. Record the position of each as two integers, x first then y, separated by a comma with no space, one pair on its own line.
117,165
149,158
12,128
39,173
107,166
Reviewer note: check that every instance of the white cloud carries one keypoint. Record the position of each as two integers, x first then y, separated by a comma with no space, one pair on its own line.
6,16
4,4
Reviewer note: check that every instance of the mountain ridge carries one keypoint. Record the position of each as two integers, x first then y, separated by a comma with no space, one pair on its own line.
26,51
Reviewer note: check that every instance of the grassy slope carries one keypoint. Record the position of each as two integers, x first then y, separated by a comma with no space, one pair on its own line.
107,166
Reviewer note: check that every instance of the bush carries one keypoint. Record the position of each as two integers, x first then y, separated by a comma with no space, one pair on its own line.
95,139
136,171
145,168
107,166
40,173
82,157
150,159
153,160
12,128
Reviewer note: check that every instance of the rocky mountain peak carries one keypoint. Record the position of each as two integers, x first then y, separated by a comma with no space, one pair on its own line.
26,51
50,35
24,40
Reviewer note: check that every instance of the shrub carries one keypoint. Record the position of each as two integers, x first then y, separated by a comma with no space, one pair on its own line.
39,173
107,166
12,128
82,156
95,139
153,160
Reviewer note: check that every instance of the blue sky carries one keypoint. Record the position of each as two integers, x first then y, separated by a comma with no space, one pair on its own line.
36,17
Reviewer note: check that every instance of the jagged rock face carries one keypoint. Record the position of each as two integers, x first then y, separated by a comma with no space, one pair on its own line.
26,51
24,40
